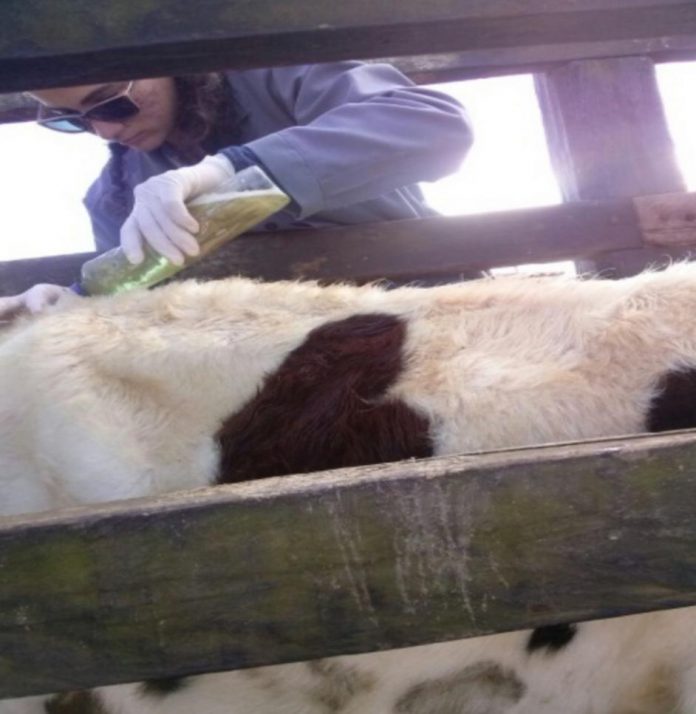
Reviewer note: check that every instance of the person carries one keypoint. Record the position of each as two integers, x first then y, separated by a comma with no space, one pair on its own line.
347,141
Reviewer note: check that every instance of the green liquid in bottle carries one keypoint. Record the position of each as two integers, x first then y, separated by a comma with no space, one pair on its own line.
235,207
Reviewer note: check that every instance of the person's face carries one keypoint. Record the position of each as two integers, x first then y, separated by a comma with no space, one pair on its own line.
146,130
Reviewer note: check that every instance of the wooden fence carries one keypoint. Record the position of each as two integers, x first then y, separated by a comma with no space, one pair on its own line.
69,619
352,560
594,67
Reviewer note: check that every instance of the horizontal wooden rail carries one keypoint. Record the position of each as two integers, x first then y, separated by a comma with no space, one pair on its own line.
493,62
399,250
347,561
57,42
474,64
427,249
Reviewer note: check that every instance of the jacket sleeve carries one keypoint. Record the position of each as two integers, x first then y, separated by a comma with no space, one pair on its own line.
362,130
106,219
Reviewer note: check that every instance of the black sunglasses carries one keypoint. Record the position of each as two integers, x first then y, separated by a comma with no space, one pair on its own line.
115,109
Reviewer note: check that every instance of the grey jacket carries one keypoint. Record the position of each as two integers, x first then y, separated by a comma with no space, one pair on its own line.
346,141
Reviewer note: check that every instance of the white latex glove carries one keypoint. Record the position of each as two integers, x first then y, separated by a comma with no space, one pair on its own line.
34,300
159,216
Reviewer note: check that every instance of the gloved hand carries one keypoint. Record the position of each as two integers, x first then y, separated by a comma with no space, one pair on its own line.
34,300
160,218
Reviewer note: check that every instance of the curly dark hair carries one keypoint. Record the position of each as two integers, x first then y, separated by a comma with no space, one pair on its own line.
201,100
201,109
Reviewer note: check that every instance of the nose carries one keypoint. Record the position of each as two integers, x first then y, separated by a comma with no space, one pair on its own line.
108,130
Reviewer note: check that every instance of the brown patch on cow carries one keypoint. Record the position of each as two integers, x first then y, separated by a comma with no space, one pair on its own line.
325,407
84,702
674,407
338,684
656,693
551,638
162,687
481,688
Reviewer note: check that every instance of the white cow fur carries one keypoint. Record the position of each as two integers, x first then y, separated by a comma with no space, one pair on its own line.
111,398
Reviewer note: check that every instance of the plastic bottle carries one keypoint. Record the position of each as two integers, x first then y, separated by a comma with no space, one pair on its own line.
233,208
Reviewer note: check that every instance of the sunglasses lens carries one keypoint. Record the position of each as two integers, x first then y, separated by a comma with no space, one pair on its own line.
71,125
117,109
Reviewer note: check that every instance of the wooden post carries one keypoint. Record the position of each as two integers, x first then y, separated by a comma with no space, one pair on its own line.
608,137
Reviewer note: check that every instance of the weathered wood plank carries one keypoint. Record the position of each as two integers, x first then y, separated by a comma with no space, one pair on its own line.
668,219
497,61
425,249
429,250
55,42
456,66
346,561
473,64
607,131
398,250
608,136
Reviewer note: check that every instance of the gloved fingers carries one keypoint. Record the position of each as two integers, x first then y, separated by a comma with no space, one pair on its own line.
168,237
177,224
145,228
41,296
158,240
176,233
131,241
175,211
160,219
204,176
34,300
165,195
10,306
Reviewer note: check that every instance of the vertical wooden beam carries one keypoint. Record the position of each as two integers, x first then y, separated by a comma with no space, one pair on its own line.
608,138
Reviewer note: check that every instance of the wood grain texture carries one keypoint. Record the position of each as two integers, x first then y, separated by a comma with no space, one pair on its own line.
497,61
426,249
351,560
474,64
608,138
668,219
59,42
607,130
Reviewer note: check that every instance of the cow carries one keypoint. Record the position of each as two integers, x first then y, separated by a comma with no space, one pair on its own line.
193,384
